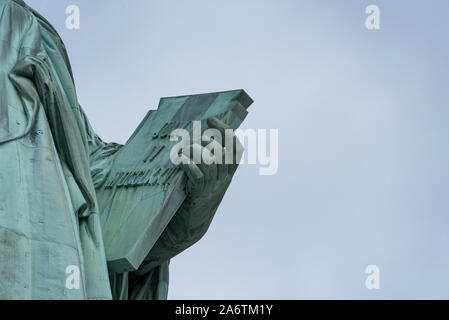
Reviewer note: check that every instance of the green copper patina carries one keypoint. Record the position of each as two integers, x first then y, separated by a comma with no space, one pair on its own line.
68,199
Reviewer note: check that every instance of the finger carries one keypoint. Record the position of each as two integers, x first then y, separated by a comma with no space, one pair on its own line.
216,123
195,183
224,129
208,162
197,153
215,149
212,134
234,154
219,153
237,156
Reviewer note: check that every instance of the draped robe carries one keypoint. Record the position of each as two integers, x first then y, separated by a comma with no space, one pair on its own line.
51,161
49,218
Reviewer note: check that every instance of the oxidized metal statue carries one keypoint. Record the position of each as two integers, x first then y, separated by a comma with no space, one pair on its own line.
114,214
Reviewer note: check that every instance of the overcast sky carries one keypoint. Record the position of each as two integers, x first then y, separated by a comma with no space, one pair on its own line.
363,125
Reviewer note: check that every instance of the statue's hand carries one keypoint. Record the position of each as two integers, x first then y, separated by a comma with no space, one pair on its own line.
206,186
207,183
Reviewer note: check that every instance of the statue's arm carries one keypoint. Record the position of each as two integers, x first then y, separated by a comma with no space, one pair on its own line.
188,225
206,188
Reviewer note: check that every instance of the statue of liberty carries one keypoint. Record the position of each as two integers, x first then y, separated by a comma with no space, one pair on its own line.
53,168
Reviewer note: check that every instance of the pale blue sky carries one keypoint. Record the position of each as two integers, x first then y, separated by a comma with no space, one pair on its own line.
362,117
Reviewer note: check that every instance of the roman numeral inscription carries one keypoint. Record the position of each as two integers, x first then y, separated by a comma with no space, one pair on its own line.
168,127
151,177
153,153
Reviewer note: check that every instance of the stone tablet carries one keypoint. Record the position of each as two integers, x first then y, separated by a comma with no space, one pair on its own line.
144,188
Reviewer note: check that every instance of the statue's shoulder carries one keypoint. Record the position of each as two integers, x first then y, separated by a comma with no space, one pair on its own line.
17,12
16,21
17,4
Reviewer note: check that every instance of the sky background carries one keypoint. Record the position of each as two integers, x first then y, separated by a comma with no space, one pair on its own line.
363,125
